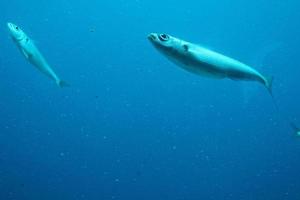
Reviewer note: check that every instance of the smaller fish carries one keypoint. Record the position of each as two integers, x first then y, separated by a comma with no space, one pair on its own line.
32,54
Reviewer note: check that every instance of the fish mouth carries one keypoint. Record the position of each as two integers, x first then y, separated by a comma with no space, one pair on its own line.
152,37
11,26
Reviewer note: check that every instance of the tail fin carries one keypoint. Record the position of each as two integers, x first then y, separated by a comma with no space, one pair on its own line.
62,83
269,84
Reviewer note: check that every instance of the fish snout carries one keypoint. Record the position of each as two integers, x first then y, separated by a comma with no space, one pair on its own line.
152,37
10,25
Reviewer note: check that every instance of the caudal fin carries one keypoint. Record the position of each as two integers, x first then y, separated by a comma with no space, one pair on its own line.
269,84
62,84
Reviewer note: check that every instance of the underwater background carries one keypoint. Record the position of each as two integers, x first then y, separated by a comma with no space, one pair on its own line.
135,126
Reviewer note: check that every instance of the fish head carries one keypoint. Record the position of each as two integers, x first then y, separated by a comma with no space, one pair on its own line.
168,44
16,33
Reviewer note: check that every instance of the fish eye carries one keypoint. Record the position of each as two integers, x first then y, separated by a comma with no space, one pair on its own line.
17,28
163,37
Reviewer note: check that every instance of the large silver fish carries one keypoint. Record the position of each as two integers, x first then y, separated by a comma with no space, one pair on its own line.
204,62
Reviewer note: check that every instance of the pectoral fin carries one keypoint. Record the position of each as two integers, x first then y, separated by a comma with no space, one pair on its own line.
185,47
26,54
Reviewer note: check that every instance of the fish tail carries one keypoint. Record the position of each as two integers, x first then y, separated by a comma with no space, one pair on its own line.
269,84
62,83
294,127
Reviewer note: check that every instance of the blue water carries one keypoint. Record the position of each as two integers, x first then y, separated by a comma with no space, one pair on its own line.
133,125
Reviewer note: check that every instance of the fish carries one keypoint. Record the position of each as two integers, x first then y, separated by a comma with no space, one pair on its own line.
32,53
205,62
